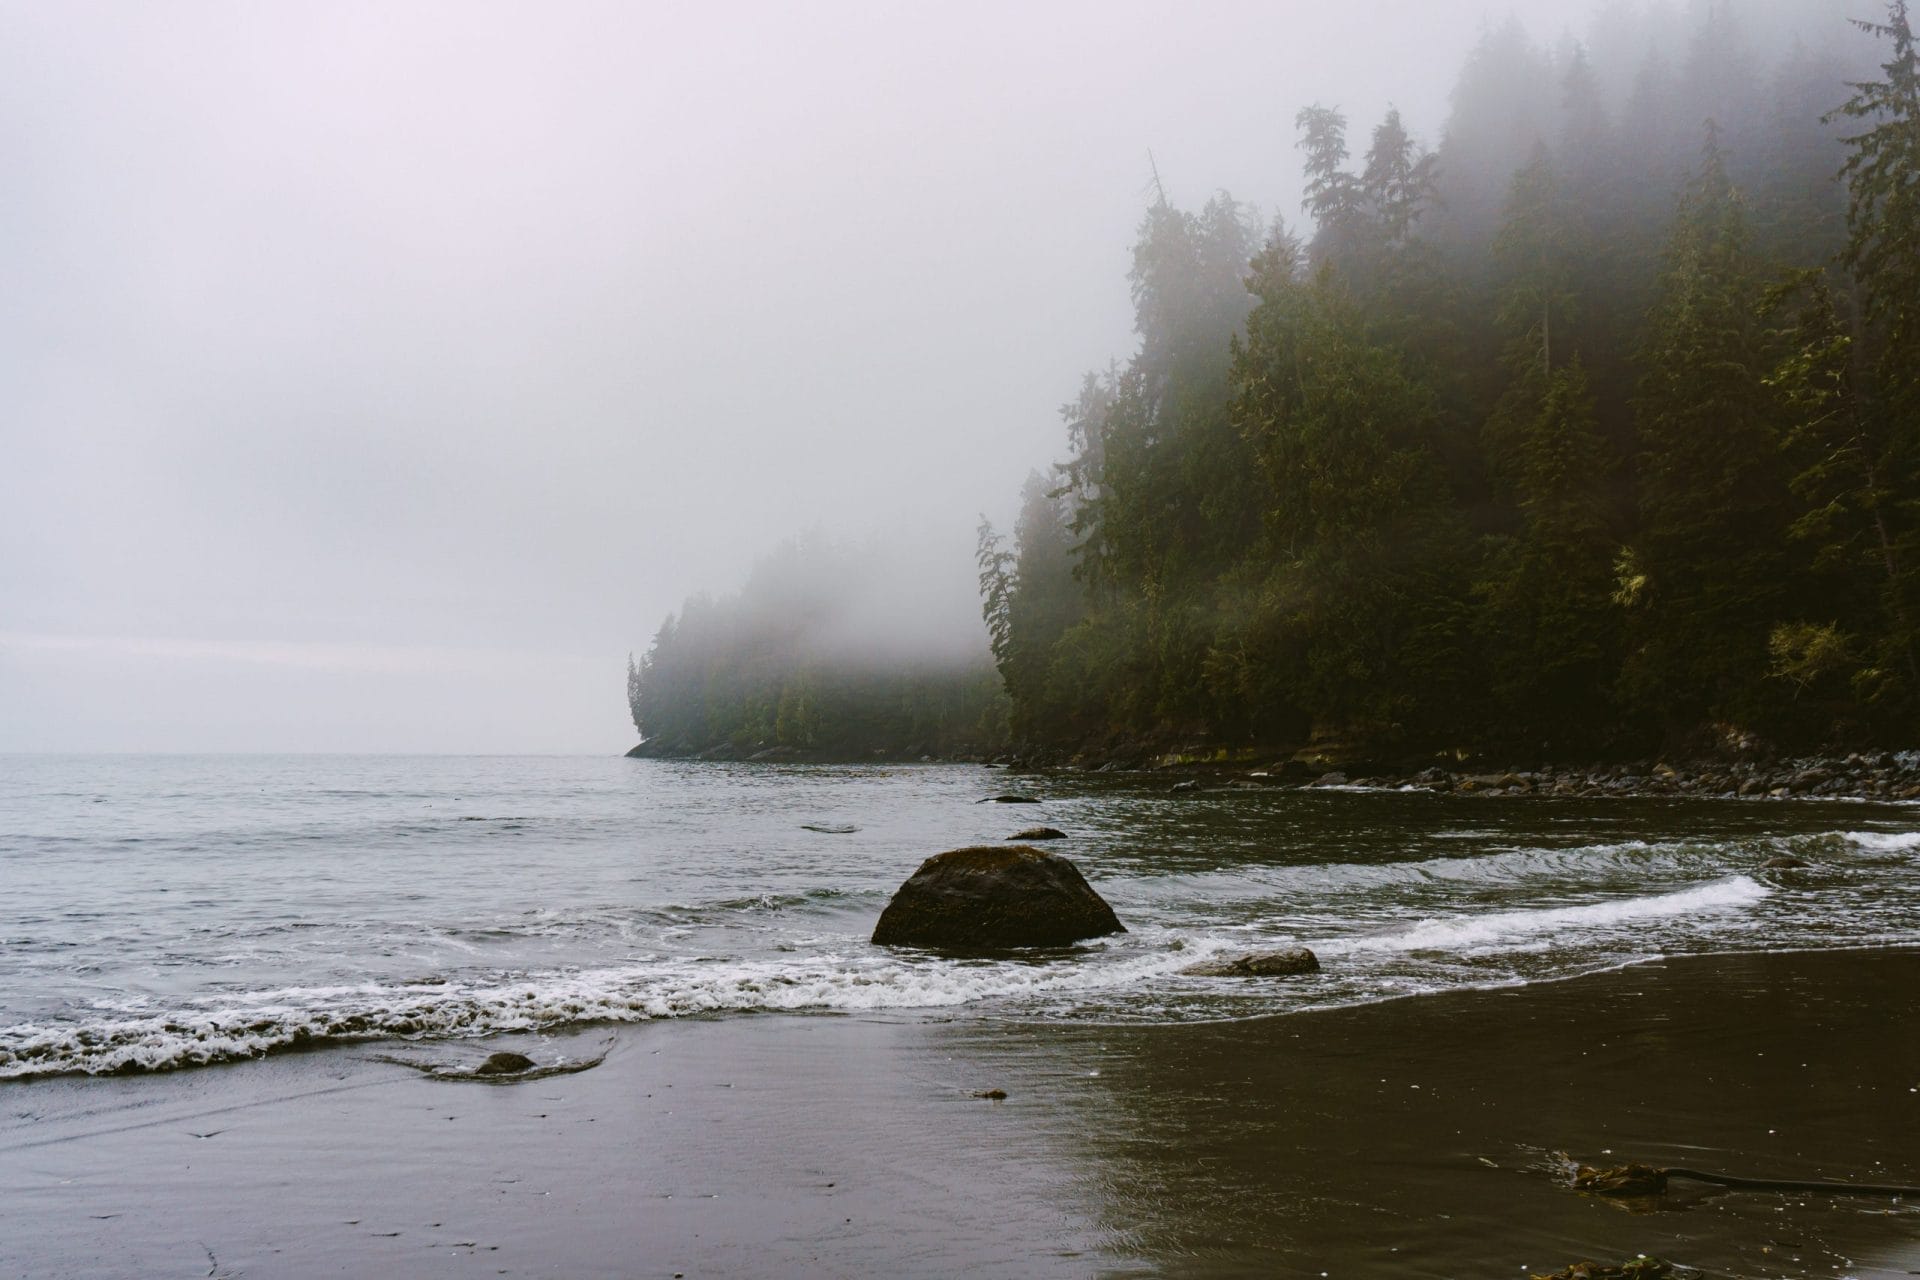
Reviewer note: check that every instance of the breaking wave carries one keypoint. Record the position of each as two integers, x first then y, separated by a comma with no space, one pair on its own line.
1496,928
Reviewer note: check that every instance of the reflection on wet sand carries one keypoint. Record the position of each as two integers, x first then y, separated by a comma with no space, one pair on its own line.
1418,1137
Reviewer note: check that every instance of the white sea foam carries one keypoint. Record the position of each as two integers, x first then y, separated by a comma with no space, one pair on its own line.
259,1023
1885,841
1507,930
1509,866
840,975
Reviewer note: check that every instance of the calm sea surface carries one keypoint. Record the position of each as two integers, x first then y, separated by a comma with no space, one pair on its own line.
167,911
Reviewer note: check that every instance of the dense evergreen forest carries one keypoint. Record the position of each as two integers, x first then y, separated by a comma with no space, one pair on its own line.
1595,430
803,663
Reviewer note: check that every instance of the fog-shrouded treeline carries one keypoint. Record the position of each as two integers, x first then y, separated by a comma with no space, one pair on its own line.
1595,429
831,650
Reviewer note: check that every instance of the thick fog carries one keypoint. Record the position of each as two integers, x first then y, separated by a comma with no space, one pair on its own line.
375,377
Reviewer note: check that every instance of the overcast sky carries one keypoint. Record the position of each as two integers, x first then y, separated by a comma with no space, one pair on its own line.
375,376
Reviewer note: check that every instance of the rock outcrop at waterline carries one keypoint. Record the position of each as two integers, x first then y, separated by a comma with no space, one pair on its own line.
993,898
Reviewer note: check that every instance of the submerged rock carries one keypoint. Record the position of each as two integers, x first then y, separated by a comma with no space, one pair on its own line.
993,897
1261,964
500,1068
1038,833
1621,1180
1639,1269
1784,861
1009,800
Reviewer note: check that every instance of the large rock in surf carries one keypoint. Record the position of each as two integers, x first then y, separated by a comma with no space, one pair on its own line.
993,897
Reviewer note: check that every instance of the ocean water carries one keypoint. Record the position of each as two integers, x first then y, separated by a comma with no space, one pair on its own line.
166,912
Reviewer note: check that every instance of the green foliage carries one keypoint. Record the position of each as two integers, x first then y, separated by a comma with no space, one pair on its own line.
1806,654
1547,628
1332,196
1397,184
1540,256
1713,499
1883,208
1031,601
1851,385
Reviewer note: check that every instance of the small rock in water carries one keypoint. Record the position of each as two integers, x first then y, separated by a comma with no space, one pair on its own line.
1785,860
504,1064
1261,964
1009,800
1191,784
1642,1268
1038,833
992,1095
830,828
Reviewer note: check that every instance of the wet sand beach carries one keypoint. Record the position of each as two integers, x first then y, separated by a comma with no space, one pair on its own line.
1406,1138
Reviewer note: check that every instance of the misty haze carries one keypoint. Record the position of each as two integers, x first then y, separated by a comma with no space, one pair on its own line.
854,639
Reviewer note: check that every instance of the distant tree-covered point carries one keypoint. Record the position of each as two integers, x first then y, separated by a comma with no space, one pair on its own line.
1594,431
816,659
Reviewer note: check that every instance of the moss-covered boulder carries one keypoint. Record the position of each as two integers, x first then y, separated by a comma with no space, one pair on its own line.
995,897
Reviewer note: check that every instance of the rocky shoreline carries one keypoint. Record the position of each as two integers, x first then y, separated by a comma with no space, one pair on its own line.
1875,775
1883,775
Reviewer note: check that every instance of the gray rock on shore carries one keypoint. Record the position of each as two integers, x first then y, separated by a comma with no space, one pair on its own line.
993,898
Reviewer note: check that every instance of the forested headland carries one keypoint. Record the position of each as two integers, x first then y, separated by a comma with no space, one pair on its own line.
1593,431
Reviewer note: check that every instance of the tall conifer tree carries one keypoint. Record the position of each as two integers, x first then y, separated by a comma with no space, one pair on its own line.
1705,578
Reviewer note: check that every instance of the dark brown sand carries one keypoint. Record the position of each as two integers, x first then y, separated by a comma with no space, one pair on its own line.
1409,1138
